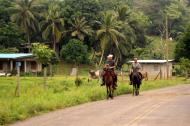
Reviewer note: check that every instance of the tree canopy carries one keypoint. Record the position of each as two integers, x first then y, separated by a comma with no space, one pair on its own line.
120,27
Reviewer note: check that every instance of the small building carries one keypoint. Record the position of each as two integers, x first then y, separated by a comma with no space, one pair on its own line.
28,63
156,68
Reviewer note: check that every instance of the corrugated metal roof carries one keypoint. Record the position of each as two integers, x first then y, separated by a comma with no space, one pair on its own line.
152,61
15,55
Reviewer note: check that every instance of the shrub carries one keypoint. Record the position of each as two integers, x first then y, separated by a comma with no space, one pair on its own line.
78,82
75,52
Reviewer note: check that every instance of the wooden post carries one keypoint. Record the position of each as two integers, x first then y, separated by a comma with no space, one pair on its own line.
122,74
167,48
160,72
25,66
45,76
11,65
17,91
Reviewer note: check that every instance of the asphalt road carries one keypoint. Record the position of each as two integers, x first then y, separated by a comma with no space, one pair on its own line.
163,107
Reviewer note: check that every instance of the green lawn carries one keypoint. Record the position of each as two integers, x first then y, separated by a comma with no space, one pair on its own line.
61,93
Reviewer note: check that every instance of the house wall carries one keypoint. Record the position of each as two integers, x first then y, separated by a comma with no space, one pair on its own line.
33,66
154,69
4,66
26,66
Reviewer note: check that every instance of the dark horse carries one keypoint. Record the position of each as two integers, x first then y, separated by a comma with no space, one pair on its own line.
109,82
136,82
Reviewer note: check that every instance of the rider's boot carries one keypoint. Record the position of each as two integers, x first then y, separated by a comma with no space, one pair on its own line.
115,83
103,83
130,83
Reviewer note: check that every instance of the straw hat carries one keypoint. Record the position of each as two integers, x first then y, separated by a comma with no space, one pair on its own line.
110,56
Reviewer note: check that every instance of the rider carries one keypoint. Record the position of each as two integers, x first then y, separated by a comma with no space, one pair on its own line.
135,68
111,64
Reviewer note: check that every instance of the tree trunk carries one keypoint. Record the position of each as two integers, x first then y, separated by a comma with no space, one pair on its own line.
45,77
29,44
186,74
77,66
101,58
167,53
93,55
54,45
17,90
51,70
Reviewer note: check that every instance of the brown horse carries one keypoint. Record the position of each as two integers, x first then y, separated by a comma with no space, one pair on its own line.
109,81
136,82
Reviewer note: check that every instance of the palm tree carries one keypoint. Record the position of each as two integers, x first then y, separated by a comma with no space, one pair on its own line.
109,33
24,15
80,28
53,24
123,12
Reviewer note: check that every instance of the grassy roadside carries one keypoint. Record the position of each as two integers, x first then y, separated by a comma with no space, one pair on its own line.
61,93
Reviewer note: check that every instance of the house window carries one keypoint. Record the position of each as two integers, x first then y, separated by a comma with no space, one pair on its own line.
1,65
156,68
33,65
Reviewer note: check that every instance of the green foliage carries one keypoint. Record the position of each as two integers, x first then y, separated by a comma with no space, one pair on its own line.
140,18
10,35
8,50
89,9
53,24
109,34
80,28
183,46
173,10
61,93
75,52
78,82
24,14
184,65
42,53
4,14
121,31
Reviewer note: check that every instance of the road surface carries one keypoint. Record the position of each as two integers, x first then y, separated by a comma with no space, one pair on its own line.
163,107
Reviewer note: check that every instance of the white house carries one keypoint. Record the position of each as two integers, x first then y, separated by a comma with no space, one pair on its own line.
156,68
28,63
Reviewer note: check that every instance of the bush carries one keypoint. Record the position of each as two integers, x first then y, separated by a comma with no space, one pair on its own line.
75,52
184,66
78,82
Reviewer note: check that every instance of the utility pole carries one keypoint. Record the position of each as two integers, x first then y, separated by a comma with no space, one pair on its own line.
167,50
17,90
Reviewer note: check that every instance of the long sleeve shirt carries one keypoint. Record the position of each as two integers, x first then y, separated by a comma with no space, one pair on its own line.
136,67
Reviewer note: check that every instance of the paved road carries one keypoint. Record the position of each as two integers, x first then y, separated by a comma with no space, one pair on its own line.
164,107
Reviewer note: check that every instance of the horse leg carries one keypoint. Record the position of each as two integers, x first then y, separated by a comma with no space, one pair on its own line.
111,91
138,88
107,92
133,90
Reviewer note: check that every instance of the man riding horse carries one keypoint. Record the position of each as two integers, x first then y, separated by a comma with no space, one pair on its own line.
110,64
136,69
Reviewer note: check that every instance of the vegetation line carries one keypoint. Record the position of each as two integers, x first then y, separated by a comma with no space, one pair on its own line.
61,93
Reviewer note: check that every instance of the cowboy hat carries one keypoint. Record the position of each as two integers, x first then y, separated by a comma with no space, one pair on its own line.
110,56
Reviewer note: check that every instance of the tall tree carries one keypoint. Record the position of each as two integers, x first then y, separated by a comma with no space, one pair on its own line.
183,46
108,34
44,55
80,28
24,14
53,24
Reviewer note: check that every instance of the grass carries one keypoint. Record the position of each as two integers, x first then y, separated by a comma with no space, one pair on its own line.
61,93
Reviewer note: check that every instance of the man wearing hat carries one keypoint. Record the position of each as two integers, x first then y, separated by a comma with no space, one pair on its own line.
136,67
111,64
